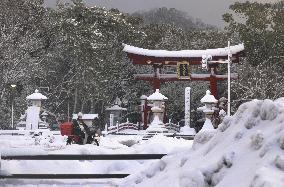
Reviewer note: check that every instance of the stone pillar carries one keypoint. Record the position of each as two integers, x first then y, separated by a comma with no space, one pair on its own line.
111,120
187,106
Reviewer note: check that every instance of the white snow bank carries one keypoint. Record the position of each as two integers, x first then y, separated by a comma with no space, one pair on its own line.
187,130
247,149
111,144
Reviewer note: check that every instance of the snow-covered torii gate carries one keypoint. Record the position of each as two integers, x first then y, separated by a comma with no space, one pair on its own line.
183,60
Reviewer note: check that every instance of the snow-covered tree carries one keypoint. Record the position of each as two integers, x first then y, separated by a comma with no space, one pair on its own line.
260,27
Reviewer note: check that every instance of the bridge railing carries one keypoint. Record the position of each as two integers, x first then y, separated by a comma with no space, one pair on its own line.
123,126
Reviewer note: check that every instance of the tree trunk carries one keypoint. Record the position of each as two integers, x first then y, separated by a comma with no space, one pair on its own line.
75,100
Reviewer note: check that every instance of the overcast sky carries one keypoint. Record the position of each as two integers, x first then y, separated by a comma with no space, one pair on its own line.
209,11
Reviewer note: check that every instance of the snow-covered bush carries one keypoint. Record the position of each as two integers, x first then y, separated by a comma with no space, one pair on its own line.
257,140
268,110
250,123
202,137
182,161
279,162
225,124
242,108
228,159
239,135
163,165
191,178
281,141
265,148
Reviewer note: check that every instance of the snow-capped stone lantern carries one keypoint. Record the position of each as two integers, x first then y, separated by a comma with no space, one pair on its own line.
36,98
158,100
210,102
115,114
33,111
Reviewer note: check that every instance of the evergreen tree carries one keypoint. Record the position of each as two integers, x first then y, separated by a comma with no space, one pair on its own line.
260,27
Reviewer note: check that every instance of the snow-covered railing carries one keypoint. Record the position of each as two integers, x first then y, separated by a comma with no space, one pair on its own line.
123,126
119,127
26,132
172,126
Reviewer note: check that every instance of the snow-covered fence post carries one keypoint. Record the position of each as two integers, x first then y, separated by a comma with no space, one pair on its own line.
117,127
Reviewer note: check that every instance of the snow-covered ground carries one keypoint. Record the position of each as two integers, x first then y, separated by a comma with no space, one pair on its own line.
111,144
246,150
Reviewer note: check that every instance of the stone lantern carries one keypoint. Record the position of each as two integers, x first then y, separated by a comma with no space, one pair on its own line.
210,103
33,111
36,98
115,114
158,100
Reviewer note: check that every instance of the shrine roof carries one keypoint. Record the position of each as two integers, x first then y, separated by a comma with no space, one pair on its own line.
183,53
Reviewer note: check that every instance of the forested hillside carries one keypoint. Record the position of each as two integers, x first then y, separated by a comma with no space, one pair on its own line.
73,55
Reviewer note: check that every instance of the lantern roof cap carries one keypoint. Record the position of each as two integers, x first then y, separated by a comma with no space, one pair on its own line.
208,98
157,96
36,96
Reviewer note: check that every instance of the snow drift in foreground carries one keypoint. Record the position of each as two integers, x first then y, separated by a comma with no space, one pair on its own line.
247,149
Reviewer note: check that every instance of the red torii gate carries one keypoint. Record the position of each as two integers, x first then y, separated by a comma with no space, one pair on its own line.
159,58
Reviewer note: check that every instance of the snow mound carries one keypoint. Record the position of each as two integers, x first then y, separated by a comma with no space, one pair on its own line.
247,149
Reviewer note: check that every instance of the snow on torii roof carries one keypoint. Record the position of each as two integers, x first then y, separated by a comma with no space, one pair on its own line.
36,96
140,56
183,53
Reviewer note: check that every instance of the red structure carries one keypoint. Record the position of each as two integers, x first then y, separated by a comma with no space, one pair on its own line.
183,60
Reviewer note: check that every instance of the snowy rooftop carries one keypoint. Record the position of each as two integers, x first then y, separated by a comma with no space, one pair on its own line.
157,96
208,98
183,53
36,96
